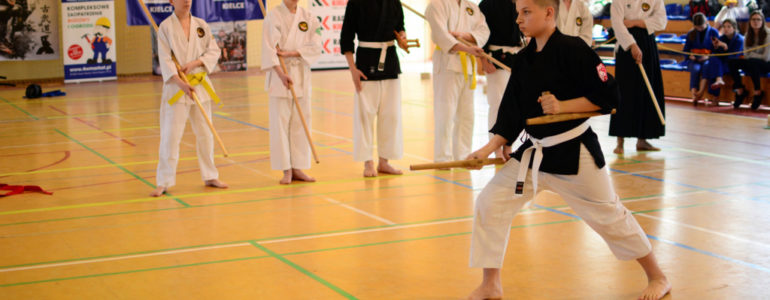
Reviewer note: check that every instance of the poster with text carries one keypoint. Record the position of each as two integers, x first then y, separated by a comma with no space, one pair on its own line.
89,40
330,14
29,30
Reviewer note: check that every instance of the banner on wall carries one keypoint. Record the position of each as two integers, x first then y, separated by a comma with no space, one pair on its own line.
231,39
29,30
330,14
89,40
208,10
227,19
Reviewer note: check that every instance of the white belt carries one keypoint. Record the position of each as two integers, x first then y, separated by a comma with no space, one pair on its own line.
378,45
506,49
537,147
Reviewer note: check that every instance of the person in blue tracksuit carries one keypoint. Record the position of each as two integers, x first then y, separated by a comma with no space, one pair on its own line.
731,41
699,41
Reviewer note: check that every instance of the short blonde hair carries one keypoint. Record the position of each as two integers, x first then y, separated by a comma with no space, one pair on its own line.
549,3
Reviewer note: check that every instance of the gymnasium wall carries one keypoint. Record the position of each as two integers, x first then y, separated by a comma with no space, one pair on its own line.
134,48
134,52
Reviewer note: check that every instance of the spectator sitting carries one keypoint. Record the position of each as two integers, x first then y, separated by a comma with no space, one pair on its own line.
731,41
754,63
699,41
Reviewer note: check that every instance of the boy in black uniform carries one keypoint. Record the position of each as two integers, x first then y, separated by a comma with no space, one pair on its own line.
504,42
375,76
567,153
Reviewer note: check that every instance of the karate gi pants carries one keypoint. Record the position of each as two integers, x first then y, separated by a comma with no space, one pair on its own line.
173,119
452,116
381,100
589,193
289,147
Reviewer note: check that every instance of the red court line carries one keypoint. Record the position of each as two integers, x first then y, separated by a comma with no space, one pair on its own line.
66,156
93,126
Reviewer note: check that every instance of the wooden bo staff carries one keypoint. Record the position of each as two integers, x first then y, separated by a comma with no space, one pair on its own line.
299,111
652,94
412,10
548,119
470,163
183,77
467,43
293,94
486,55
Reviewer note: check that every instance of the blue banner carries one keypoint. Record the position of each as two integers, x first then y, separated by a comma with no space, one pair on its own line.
208,10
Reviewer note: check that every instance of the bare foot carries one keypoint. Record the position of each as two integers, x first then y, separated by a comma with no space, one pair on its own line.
160,190
645,146
385,167
487,292
301,176
216,183
656,289
287,175
618,150
369,170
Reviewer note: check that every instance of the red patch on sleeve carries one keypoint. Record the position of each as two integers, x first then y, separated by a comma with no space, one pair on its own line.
602,72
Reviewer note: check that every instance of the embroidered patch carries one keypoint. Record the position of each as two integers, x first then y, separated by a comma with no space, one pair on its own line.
201,33
469,10
303,26
645,7
579,21
602,71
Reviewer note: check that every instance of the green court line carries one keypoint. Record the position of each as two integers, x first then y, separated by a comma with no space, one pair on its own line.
223,203
133,271
728,157
305,271
280,256
19,108
321,233
254,242
178,197
423,238
114,164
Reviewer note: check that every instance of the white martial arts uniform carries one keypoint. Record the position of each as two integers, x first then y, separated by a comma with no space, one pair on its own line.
735,13
373,24
453,76
589,193
199,45
653,12
496,84
577,21
381,100
289,147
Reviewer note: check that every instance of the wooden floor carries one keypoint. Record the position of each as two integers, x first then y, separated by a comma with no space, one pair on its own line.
704,201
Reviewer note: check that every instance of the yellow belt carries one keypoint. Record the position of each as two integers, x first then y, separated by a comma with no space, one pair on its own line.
463,56
196,79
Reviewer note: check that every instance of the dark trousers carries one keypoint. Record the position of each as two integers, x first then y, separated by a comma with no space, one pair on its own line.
752,67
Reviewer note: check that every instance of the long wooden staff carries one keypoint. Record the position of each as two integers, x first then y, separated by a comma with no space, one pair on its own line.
183,77
471,163
467,43
293,94
299,111
486,55
652,94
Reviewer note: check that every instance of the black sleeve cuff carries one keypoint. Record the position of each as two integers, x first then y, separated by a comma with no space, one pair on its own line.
606,98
